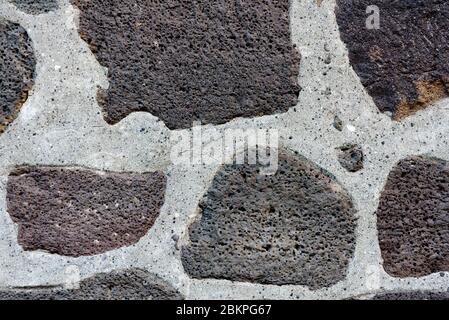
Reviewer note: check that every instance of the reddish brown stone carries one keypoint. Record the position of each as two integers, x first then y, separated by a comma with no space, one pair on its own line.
17,64
132,284
185,61
404,65
413,218
77,212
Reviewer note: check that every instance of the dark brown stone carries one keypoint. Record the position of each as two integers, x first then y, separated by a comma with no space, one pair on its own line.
417,295
350,157
404,65
185,61
132,284
413,218
294,227
17,64
35,6
78,212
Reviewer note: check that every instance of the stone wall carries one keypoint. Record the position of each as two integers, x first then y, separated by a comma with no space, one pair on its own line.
95,94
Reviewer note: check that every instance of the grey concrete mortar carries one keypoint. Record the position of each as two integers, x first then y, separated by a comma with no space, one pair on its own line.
61,124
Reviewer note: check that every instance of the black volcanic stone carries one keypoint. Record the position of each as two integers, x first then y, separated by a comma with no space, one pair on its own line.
404,65
413,218
186,61
132,284
79,212
35,6
350,157
294,227
17,64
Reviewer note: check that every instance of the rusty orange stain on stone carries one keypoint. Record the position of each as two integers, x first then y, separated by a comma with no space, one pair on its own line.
429,92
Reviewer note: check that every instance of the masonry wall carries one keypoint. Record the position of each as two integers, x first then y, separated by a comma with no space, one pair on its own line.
95,96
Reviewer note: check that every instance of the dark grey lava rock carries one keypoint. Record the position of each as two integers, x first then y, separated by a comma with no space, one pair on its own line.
417,295
132,284
78,212
404,65
17,65
294,227
350,157
413,218
185,61
36,6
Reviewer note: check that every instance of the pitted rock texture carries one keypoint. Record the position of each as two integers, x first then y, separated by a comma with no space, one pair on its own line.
350,157
404,65
132,284
413,218
418,295
36,7
78,212
294,227
186,61
17,65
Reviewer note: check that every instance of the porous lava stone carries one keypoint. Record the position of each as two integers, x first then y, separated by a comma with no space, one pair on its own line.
79,212
350,157
131,284
186,61
294,227
17,64
35,6
413,218
404,65
417,295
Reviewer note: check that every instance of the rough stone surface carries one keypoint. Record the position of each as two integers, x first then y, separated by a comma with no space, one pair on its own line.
404,65
61,124
17,63
413,218
350,157
186,61
132,284
418,295
78,212
35,6
294,227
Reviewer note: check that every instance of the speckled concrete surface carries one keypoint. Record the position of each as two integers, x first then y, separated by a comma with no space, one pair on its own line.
61,124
